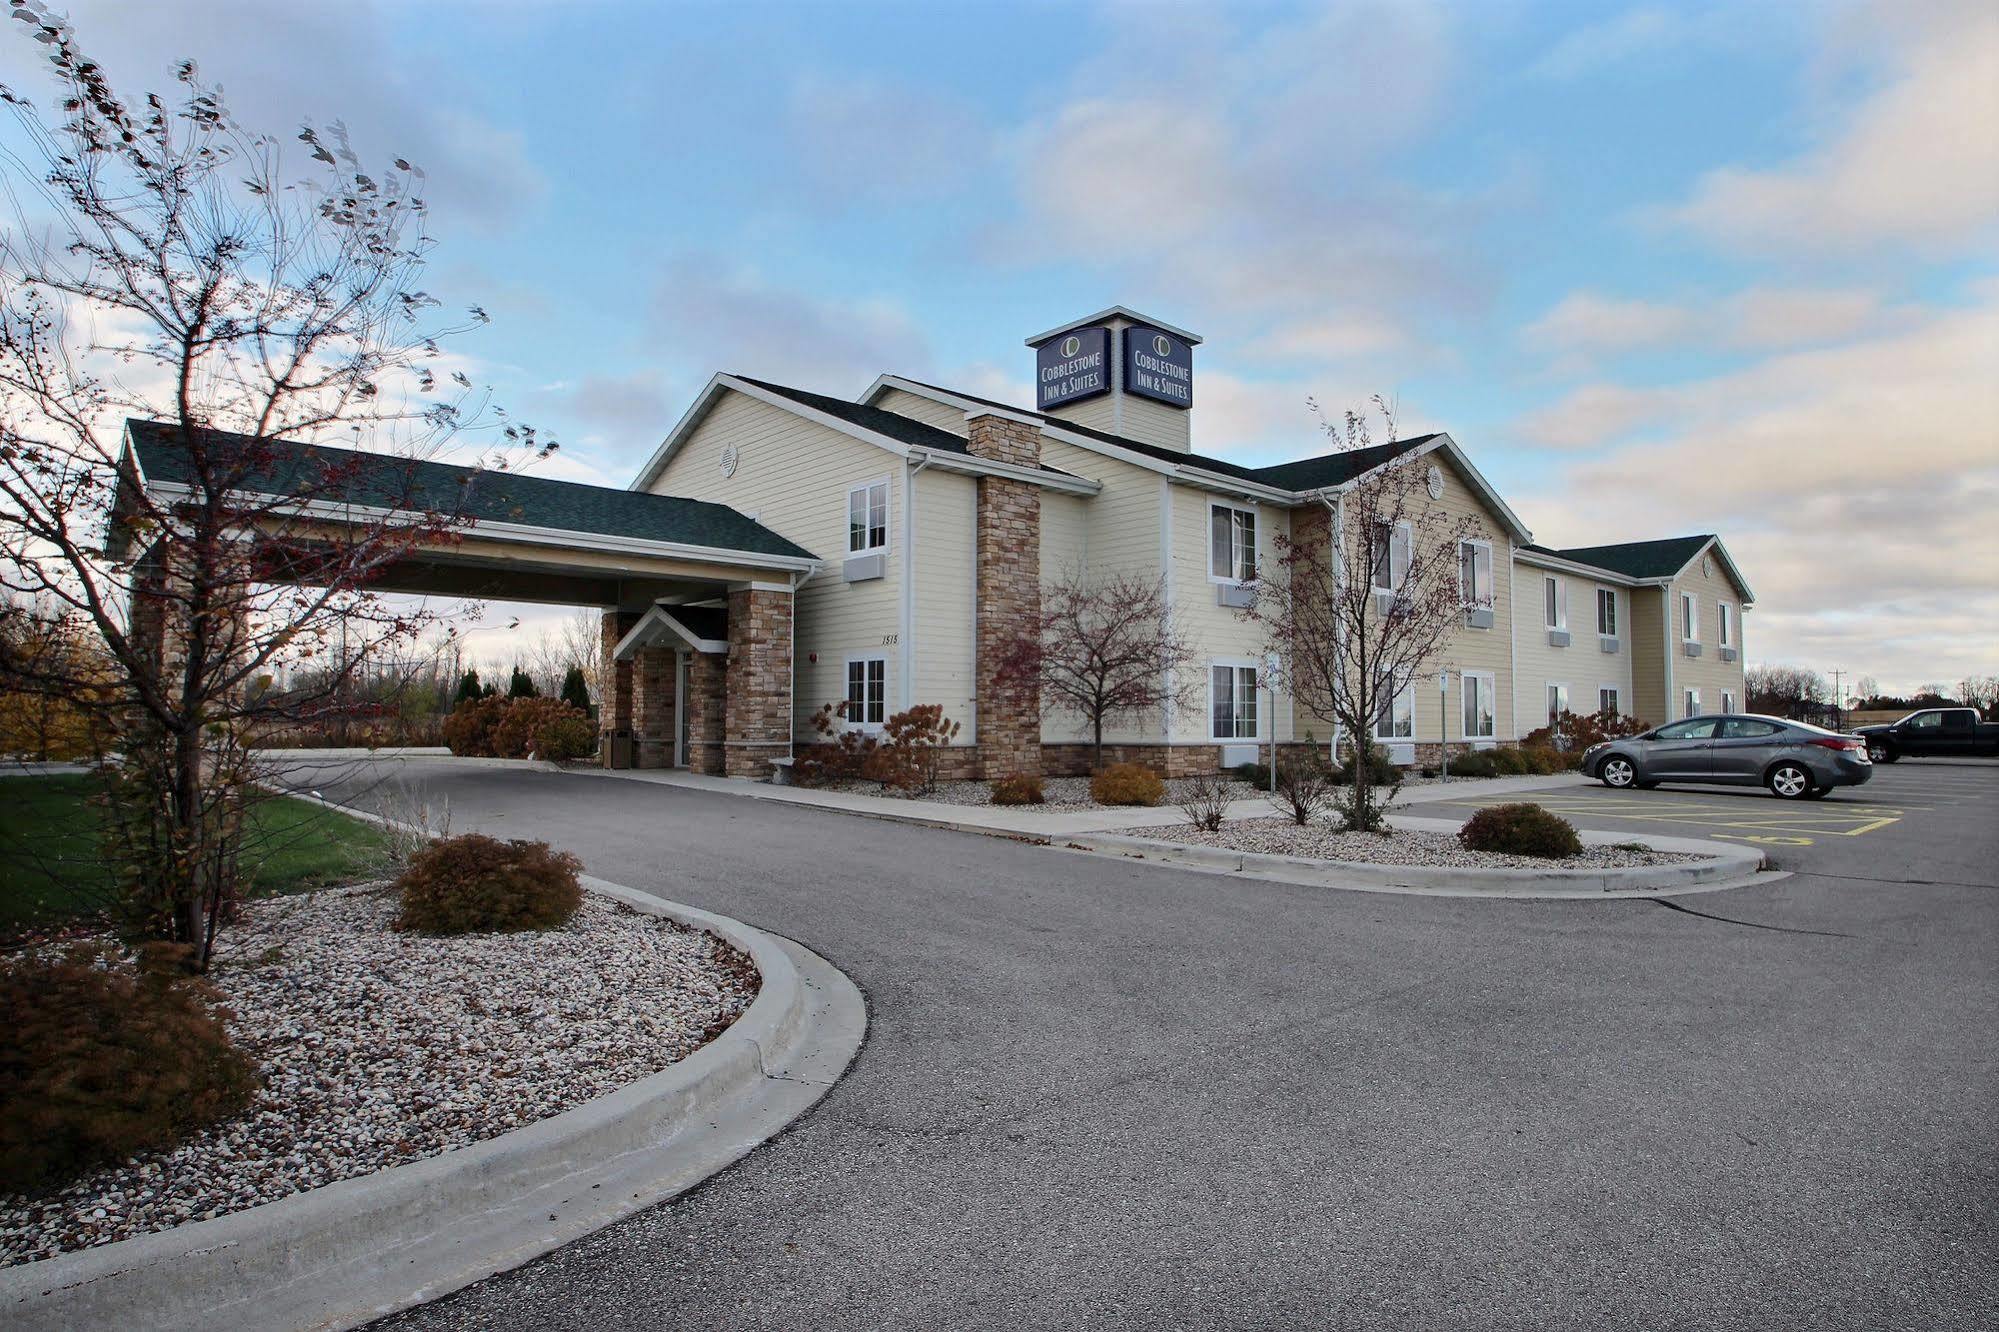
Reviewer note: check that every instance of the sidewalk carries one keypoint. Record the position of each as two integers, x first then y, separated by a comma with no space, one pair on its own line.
1038,823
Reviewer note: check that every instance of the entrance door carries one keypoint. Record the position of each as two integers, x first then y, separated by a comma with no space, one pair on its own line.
680,710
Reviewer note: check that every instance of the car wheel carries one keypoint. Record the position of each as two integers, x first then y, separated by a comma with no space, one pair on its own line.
1790,781
1617,771
1877,753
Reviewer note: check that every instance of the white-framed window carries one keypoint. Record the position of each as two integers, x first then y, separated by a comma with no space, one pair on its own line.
1555,601
1691,703
867,691
1390,556
1232,700
867,517
1394,711
1558,701
1726,613
1690,618
1727,700
1475,574
1231,543
1606,612
1480,721
1606,698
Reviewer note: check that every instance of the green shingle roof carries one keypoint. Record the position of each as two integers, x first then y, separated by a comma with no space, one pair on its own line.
903,429
1330,469
1635,559
346,476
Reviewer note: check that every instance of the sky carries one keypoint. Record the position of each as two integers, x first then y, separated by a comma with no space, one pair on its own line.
1659,270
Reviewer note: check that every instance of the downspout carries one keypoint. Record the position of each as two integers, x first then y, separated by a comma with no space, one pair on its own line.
1512,639
914,468
798,579
1336,507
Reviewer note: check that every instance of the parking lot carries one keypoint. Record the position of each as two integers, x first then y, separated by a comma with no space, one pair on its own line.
1915,818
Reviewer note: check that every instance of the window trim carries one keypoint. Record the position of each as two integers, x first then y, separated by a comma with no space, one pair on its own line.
1408,692
1728,700
1725,613
1547,704
1616,690
1491,598
1255,542
1400,527
1690,618
1560,607
1690,700
1237,665
846,673
1488,689
1601,593
887,483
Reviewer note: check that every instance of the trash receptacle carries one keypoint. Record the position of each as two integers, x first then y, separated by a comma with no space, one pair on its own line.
619,750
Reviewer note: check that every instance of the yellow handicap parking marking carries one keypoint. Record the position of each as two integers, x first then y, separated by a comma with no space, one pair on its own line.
1784,826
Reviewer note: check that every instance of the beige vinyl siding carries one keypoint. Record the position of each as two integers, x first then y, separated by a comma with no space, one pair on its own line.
1137,418
1583,665
927,410
1488,651
1215,632
1707,672
942,612
1648,658
793,475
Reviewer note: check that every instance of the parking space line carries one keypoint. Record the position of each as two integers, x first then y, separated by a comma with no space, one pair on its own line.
1856,821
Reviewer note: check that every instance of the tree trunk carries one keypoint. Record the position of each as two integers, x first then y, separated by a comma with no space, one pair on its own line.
1097,732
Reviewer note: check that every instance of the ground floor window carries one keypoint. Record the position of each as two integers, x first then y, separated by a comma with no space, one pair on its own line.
1232,700
1558,702
1394,711
1727,701
1480,723
867,690
1606,699
1693,703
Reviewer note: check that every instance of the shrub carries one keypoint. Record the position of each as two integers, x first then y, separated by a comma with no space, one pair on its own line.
1380,771
99,1060
468,731
542,727
1022,788
911,745
1127,784
1304,786
1542,761
575,691
1256,774
474,884
1204,799
1521,829
1475,763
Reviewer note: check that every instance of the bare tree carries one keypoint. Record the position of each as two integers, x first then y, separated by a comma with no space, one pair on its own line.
570,641
1105,649
1367,599
166,265
1785,691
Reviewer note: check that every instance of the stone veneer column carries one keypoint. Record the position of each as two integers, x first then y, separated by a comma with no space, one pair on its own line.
756,725
652,707
707,689
1008,595
614,700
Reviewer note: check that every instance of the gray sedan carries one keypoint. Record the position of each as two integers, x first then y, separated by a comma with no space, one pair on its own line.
1795,760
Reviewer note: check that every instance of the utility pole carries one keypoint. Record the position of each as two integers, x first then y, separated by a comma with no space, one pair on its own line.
1838,710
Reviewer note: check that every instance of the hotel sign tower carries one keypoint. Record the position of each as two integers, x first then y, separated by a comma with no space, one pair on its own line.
1122,372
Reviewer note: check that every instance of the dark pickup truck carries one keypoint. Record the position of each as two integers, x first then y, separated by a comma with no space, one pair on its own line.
1931,733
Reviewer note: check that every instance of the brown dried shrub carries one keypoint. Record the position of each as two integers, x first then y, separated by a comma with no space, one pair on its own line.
1022,788
1127,784
474,884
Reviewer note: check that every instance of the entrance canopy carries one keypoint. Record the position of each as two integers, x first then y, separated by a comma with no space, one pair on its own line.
510,535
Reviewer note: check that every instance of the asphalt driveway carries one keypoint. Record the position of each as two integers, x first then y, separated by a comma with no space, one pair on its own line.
1103,1093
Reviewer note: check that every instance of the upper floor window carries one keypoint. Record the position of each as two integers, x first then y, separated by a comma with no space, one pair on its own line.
1232,701
1555,601
1393,548
867,518
1690,618
1475,573
1727,614
1231,543
1606,612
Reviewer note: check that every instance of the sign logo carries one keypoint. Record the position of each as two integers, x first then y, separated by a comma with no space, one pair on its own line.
1071,368
1158,367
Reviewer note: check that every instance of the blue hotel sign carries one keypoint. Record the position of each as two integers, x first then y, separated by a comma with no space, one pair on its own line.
1075,366
1159,366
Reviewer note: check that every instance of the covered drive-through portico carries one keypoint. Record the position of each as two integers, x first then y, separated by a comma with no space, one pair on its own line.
696,597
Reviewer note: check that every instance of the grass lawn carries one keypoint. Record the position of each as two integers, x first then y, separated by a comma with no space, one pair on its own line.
51,867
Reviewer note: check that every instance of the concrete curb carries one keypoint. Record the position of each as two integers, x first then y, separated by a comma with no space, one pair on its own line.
309,758
1726,867
350,1252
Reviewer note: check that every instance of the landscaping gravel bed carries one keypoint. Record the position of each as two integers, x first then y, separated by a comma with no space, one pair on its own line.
1068,792
380,1048
1282,837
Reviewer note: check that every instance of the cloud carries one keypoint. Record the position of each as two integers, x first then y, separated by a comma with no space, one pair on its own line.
1855,484
1585,326
1585,321
863,141
1915,163
1607,42
281,65
1777,317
